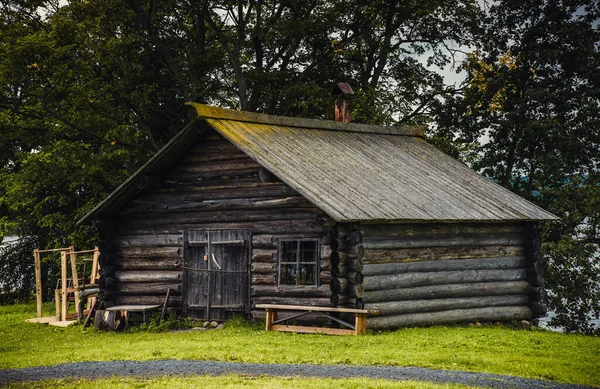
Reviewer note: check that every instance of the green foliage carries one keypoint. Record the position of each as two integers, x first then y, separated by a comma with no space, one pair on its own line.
89,90
528,353
570,264
533,92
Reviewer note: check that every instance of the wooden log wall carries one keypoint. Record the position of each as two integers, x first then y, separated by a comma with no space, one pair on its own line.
214,186
443,273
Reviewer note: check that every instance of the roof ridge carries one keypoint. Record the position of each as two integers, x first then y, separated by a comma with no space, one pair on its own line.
211,112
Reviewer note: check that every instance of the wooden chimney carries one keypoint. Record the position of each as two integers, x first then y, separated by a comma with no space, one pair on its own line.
343,94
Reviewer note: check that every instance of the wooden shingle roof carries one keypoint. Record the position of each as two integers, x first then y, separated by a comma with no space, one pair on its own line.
356,172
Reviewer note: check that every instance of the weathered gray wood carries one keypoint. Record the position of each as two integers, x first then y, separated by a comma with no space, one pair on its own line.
307,226
174,301
217,166
266,214
264,255
435,229
150,264
264,279
250,203
444,241
229,189
437,278
264,268
148,276
194,158
155,240
445,265
450,291
146,288
435,253
149,252
290,291
450,316
418,306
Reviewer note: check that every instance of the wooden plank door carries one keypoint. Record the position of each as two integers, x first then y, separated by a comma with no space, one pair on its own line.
215,276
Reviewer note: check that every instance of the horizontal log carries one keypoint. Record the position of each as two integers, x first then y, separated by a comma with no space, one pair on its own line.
438,278
174,301
148,276
216,166
193,176
149,252
264,255
212,216
418,306
169,206
445,265
435,229
306,226
269,241
443,241
264,267
264,279
325,277
149,264
431,253
289,291
450,290
147,288
197,158
154,240
451,316
226,189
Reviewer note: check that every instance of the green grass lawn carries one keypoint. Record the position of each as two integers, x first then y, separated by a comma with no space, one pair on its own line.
527,353
234,382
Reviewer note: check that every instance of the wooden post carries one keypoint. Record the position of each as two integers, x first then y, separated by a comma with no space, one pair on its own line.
57,303
63,280
74,276
38,281
360,323
271,316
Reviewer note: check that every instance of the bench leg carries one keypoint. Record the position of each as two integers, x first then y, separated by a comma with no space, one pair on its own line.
360,323
270,318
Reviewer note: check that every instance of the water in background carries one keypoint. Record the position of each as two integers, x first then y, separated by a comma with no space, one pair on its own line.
544,323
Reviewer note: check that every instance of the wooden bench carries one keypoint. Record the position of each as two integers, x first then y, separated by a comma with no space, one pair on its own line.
359,327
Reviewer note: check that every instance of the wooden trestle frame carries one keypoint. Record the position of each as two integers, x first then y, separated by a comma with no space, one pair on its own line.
67,254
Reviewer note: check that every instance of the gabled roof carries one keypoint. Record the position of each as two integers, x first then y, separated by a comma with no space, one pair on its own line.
353,172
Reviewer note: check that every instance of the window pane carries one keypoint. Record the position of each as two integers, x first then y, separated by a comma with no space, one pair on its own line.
289,249
288,275
308,251
307,275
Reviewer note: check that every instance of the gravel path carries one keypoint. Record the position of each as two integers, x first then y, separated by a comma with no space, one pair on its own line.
174,367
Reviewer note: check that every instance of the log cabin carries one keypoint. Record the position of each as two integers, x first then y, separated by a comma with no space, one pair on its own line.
241,209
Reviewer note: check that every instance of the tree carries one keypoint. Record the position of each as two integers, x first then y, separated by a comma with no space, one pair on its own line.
89,90
534,90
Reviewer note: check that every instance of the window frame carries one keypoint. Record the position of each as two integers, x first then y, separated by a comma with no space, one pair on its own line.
298,262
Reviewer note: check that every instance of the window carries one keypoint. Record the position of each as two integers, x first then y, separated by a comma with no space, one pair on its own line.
299,262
